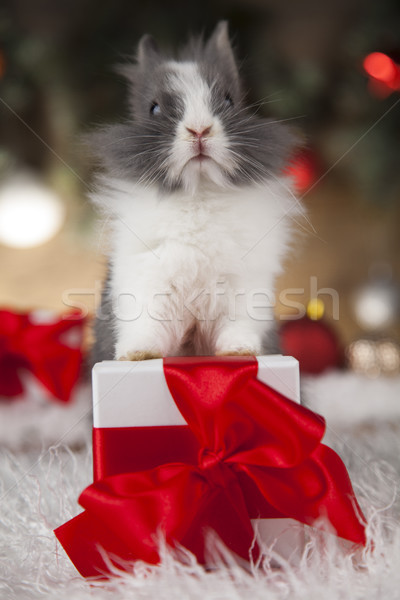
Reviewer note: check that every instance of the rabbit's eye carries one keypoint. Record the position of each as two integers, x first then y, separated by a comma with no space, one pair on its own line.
155,109
228,102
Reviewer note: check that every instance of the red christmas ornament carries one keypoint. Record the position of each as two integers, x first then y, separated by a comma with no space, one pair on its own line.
313,343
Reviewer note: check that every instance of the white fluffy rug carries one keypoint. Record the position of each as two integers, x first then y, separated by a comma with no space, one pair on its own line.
41,480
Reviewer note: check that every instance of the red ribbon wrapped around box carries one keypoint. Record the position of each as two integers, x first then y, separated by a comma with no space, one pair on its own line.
256,449
42,348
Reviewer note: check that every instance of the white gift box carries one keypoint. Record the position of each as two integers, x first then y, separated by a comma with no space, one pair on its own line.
130,395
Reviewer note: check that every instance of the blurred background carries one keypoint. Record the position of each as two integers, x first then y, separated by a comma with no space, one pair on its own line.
331,68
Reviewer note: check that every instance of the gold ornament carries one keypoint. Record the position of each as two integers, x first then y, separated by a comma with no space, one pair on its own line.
315,309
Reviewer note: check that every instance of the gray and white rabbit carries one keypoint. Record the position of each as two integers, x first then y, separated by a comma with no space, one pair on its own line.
200,210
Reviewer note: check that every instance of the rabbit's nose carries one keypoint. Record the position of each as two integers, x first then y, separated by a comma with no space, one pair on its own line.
199,134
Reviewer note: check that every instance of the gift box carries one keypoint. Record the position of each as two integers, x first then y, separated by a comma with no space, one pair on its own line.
137,426
188,445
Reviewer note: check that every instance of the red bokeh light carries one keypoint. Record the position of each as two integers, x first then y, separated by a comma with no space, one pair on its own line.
303,170
384,74
381,67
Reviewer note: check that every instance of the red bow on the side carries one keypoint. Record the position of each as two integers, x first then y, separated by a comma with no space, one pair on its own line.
41,348
256,447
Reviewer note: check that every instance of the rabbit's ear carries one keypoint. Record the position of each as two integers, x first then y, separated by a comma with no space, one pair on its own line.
148,50
219,50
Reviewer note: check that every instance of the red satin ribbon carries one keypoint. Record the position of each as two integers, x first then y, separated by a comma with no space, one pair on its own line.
122,449
252,441
40,349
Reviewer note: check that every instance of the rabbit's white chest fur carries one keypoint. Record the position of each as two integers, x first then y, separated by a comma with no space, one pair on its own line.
195,268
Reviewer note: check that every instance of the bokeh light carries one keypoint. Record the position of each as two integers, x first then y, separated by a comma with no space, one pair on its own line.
30,213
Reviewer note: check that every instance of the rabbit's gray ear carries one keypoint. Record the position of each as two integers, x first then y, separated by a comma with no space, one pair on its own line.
219,49
148,50
147,53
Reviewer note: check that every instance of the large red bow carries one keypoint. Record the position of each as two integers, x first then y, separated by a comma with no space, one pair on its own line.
42,349
256,447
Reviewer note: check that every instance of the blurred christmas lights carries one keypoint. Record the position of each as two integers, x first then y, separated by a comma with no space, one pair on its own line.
374,357
376,305
303,171
30,213
384,74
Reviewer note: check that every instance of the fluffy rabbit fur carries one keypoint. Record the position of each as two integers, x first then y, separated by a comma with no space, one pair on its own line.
200,210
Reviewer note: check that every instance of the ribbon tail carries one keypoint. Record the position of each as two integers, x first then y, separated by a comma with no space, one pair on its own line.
228,517
340,504
318,488
88,544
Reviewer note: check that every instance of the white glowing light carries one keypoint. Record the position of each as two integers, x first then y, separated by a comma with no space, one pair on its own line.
375,307
30,213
